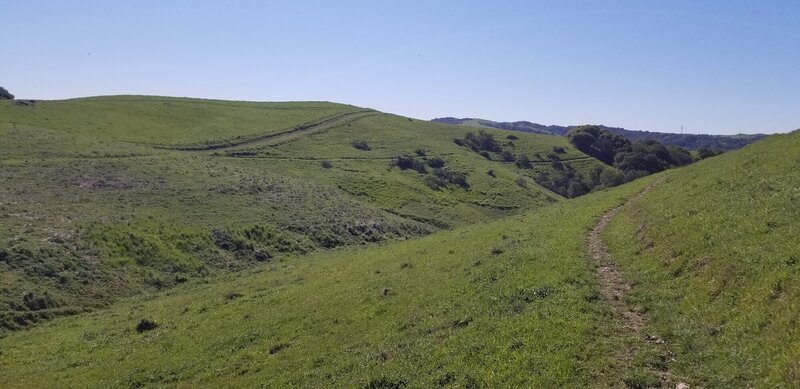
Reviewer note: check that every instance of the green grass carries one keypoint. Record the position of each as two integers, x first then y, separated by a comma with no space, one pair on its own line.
94,207
120,125
304,261
506,304
715,262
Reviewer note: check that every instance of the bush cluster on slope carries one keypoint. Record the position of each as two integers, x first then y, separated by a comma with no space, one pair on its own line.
634,159
561,178
441,177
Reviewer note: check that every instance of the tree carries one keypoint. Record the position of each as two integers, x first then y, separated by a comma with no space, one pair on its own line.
5,94
704,153
575,189
611,177
597,142
680,156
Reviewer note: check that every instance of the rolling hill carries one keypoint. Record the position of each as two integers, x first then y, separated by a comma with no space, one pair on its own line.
111,196
689,141
685,277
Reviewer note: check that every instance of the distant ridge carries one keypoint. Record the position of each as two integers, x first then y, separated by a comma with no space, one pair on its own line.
689,141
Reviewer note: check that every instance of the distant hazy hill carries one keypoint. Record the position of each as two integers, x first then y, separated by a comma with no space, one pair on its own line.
689,141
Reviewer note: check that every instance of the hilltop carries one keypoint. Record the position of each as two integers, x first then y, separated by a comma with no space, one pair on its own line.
689,141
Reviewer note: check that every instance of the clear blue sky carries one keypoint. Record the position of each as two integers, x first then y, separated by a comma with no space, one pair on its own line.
712,66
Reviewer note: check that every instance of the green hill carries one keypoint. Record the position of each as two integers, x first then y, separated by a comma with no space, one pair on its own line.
509,303
714,258
111,196
685,276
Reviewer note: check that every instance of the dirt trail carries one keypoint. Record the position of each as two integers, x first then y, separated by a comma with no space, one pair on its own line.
613,287
281,136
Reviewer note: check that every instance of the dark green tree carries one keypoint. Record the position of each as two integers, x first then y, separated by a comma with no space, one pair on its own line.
597,142
5,94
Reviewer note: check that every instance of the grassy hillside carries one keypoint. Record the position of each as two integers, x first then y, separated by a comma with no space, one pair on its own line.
511,303
111,196
507,298
716,263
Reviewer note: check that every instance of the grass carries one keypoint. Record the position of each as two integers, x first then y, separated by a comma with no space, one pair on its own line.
305,261
715,264
95,205
507,303
120,125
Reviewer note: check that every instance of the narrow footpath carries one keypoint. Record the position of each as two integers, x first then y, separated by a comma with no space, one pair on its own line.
614,289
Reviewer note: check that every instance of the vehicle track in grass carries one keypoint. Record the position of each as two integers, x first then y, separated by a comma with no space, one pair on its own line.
614,290
280,136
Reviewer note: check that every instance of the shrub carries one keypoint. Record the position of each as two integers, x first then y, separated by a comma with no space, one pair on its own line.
360,144
559,150
522,182
5,94
452,176
405,162
34,303
443,177
481,142
145,325
433,182
634,174
326,164
420,152
703,153
611,177
680,156
512,137
575,189
523,162
507,155
436,162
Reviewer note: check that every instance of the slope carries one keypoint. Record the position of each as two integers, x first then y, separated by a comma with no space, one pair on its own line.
111,196
715,264
510,303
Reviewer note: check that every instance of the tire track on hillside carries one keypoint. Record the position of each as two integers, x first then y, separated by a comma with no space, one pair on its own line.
614,289
280,136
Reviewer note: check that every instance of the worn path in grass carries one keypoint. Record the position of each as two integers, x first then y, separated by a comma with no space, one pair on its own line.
283,135
614,289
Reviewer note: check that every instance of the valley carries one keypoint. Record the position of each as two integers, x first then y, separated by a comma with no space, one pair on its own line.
339,246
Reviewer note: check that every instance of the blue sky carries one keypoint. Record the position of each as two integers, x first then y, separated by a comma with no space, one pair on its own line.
711,66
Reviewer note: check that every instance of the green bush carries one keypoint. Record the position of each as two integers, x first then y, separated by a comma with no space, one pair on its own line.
523,162
360,144
5,94
436,162
406,162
